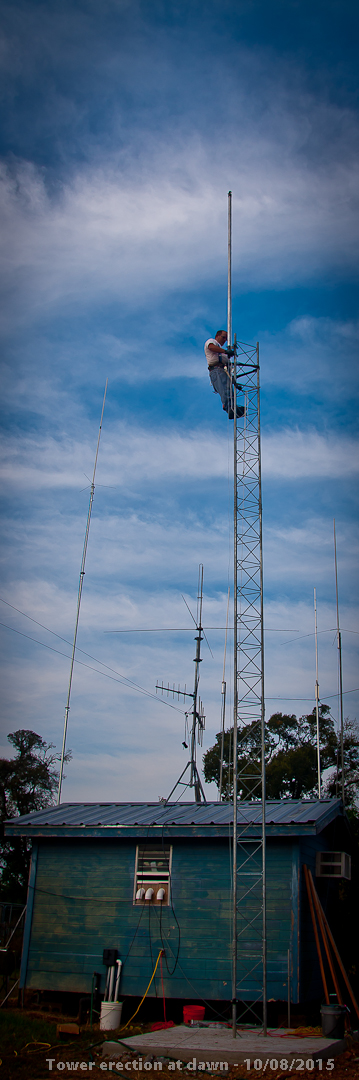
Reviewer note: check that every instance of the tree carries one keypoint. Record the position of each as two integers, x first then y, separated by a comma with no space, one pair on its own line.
351,768
27,782
291,757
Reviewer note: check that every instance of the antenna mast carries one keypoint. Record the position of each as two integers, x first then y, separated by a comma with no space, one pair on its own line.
198,717
317,693
249,964
340,667
79,595
223,710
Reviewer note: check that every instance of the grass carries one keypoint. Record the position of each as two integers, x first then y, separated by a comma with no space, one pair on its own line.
17,1029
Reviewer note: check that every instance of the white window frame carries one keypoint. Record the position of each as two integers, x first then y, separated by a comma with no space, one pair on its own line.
326,860
151,880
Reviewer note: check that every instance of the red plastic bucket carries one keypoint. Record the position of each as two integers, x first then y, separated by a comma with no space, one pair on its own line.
193,1012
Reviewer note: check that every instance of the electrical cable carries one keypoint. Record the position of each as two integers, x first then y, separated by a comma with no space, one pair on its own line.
165,945
140,689
148,630
163,991
88,899
197,995
135,934
142,907
150,941
327,696
145,994
173,912
122,680
331,630
183,629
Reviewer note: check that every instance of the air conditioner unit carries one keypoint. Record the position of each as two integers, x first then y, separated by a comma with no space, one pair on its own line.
333,864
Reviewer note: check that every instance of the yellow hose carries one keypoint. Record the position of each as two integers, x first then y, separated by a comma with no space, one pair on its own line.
146,992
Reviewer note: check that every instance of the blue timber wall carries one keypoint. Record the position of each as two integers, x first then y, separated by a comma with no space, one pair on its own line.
83,902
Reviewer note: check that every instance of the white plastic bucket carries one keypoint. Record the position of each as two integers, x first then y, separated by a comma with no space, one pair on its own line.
110,1015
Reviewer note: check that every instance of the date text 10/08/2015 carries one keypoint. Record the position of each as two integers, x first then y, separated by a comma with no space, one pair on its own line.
296,1064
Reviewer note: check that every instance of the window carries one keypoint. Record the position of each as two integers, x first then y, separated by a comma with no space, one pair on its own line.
153,874
333,864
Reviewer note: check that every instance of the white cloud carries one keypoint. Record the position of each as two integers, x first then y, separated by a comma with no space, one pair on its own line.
297,455
312,355
131,456
123,231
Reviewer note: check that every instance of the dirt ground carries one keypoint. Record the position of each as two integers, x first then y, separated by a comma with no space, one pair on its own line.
30,1049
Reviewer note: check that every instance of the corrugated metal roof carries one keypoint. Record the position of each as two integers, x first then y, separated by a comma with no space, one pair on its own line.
281,812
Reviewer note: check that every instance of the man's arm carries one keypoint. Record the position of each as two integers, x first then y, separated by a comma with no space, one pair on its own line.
216,348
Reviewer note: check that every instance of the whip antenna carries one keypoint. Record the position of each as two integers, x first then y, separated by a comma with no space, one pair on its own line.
79,594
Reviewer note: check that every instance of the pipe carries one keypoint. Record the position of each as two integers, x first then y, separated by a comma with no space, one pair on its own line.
118,976
336,953
111,972
320,958
320,914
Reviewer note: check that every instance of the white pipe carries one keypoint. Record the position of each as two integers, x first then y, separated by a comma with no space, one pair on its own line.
118,976
112,979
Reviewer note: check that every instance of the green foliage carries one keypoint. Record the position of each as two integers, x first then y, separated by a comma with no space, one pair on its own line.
291,758
28,782
351,769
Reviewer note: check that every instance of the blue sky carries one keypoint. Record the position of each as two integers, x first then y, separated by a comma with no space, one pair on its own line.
124,125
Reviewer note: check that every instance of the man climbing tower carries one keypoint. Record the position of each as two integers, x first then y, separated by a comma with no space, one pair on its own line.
216,356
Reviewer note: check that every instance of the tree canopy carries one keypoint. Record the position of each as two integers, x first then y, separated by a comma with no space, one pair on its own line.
291,758
28,782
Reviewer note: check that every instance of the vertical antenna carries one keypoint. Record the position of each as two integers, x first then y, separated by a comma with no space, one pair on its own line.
198,717
224,687
317,690
340,667
229,295
81,581
194,776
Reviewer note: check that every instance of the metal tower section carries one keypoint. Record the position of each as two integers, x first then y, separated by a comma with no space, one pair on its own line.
249,856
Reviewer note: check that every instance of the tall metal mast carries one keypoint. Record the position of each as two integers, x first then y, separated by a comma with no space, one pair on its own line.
249,965
198,717
339,637
223,709
317,694
79,595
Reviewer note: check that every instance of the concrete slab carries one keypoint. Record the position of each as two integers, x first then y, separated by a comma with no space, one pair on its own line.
192,1044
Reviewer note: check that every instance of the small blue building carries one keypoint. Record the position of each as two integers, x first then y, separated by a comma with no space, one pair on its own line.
141,877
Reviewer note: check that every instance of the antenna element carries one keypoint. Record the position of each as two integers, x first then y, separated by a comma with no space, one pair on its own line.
79,595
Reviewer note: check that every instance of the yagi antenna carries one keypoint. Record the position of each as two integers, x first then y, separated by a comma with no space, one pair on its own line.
195,734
